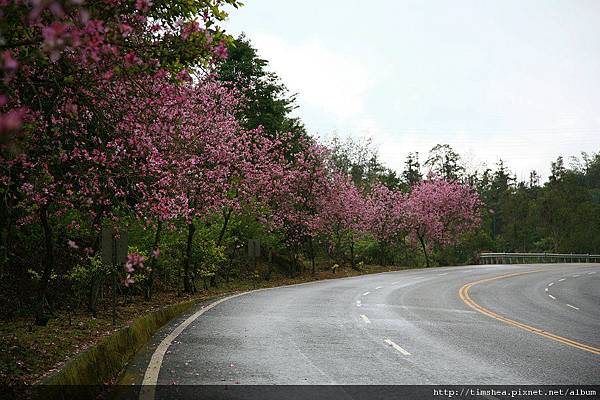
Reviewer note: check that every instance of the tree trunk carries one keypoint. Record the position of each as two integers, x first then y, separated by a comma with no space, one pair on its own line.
5,235
48,265
93,295
187,281
338,254
226,217
383,254
269,265
352,263
312,255
424,250
294,267
150,279
114,292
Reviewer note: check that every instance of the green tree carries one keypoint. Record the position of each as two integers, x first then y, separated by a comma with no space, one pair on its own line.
412,170
268,102
444,161
359,159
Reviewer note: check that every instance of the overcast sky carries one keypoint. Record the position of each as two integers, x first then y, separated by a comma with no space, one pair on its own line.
517,80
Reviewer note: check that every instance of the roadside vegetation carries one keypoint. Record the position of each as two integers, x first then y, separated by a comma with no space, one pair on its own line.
145,119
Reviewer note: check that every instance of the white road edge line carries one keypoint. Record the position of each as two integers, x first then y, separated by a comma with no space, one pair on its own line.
151,376
591,273
572,306
396,347
365,293
378,287
552,297
445,273
365,319
575,276
560,280
551,283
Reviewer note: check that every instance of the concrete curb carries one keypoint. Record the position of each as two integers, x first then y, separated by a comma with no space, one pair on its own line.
105,360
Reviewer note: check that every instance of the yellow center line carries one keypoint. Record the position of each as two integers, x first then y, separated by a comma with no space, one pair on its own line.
466,298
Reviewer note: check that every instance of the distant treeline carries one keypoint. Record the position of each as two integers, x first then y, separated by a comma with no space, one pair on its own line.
560,215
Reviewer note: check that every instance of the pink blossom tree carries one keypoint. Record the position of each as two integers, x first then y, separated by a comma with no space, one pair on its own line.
343,214
81,43
385,215
292,200
439,213
67,67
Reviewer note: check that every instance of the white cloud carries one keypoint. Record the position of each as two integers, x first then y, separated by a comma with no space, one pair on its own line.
323,78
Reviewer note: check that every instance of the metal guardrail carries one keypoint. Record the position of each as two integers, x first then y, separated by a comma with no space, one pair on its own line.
516,258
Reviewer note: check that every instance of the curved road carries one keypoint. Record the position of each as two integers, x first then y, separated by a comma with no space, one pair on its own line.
406,327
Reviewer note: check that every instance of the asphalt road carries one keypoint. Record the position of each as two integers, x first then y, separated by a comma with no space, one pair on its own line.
407,327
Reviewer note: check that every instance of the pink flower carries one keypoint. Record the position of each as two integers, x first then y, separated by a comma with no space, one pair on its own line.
71,108
155,253
55,34
143,5
132,59
189,28
9,63
221,50
129,280
12,120
125,30
134,260
72,244
184,75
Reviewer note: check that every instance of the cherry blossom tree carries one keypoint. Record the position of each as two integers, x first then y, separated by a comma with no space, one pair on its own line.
385,215
67,67
343,214
439,213
200,151
50,46
293,198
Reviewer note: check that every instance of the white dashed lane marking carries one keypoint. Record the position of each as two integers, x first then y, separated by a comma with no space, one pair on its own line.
396,347
561,280
365,293
378,287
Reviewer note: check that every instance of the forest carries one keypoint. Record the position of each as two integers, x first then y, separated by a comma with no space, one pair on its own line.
141,118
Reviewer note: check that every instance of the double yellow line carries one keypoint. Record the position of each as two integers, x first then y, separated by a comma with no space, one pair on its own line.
465,297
